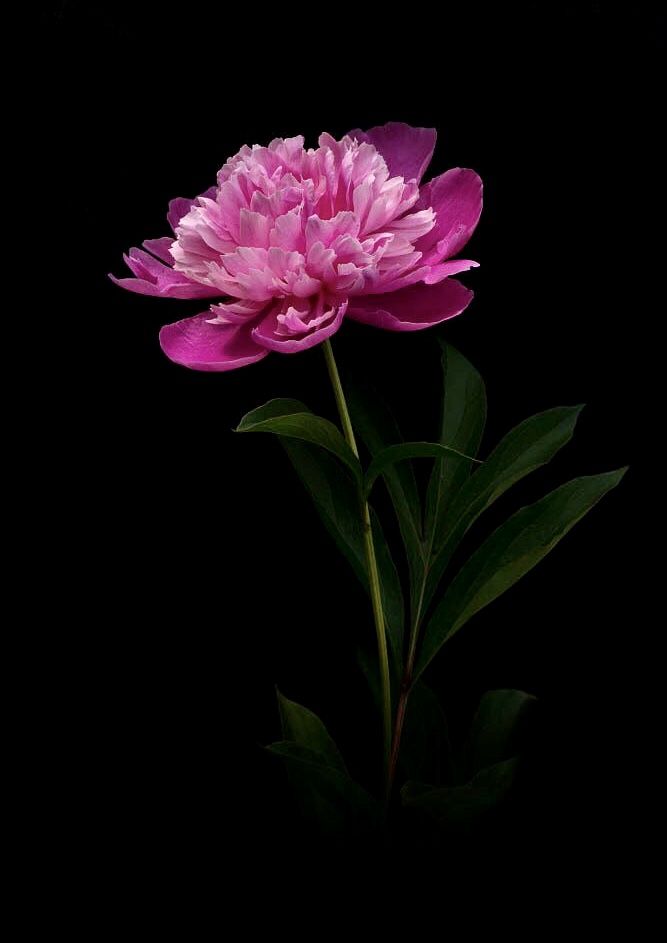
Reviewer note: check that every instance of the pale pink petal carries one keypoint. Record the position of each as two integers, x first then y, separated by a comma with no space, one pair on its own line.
254,229
413,308
407,150
456,197
180,206
199,345
293,337
236,311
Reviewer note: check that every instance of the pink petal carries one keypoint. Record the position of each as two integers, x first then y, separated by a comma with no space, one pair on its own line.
199,345
181,205
270,333
407,150
236,311
160,248
436,273
456,197
429,274
155,278
413,308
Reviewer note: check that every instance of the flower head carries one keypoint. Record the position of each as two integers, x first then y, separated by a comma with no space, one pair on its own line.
293,240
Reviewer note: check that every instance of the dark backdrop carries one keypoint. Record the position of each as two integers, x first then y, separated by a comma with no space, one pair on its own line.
206,577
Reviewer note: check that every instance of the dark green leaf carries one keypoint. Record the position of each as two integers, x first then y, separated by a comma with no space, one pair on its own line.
461,427
305,728
337,503
460,806
326,793
425,750
385,459
290,418
497,727
510,552
525,448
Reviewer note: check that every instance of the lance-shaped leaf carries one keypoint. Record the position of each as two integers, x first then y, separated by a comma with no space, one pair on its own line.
425,748
337,502
510,552
461,427
304,727
460,806
497,727
384,461
335,801
290,418
531,444
376,427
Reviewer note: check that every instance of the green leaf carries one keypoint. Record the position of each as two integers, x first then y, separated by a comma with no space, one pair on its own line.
327,794
525,448
385,459
290,418
460,806
337,503
510,552
305,728
497,726
376,427
425,748
461,427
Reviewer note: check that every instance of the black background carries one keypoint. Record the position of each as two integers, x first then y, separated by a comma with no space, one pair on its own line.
205,577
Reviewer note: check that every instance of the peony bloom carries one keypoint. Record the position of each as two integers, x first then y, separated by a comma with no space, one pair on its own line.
291,241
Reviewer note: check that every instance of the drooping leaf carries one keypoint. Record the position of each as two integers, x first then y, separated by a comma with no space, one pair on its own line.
425,749
531,444
461,427
497,727
461,806
304,727
327,794
387,458
510,552
337,502
290,418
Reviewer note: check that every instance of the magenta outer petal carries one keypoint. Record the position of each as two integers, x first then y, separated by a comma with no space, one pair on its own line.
430,274
155,278
413,308
437,272
160,248
456,197
265,333
196,344
407,150
184,290
178,207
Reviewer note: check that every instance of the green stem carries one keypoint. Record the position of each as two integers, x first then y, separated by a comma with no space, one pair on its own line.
371,562
406,681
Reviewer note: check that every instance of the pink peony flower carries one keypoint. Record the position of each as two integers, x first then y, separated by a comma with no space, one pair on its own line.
291,241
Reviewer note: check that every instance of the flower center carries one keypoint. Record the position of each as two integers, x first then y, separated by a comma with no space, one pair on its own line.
287,222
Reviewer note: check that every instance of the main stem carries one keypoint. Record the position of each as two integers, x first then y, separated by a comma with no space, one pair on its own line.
371,562
406,687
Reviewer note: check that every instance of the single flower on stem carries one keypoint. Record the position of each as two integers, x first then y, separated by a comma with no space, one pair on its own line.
291,241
